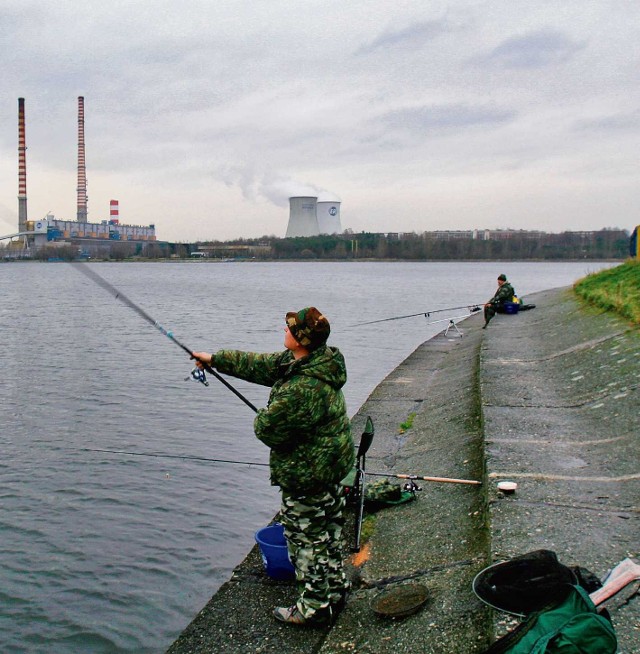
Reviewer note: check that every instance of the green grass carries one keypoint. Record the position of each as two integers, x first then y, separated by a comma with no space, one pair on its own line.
615,289
408,423
368,527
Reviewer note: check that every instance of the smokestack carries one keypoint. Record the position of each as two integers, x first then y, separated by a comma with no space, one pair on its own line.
114,211
82,171
22,169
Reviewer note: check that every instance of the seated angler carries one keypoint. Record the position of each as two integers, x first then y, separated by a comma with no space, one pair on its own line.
496,304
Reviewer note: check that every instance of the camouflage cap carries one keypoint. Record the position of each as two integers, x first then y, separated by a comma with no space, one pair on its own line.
309,327
502,277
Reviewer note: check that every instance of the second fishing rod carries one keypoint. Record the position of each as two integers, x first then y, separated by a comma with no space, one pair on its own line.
471,308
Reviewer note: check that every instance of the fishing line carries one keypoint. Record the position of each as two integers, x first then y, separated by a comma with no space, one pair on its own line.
93,275
167,456
472,308
257,463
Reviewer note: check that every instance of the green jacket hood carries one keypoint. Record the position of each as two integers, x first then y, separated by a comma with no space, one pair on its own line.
325,364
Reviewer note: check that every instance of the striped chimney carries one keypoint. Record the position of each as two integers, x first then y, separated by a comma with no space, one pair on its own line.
82,170
22,169
114,211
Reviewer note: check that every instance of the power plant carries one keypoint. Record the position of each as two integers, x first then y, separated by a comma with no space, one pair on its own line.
90,237
310,215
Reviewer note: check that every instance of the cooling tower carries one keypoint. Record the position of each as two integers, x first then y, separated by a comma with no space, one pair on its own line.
302,217
328,213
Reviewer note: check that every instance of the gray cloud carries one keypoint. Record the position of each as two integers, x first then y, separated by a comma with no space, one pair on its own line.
440,119
619,122
413,36
536,49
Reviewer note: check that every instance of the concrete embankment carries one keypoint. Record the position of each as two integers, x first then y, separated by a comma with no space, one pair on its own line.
548,398
561,403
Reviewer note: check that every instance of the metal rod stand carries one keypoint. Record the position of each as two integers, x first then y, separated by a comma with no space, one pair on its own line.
450,325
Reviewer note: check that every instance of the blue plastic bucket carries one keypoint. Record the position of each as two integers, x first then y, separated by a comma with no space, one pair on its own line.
511,307
273,548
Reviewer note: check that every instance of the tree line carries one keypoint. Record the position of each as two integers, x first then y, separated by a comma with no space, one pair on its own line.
603,244
608,243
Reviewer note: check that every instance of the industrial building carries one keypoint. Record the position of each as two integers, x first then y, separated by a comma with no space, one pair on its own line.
92,238
311,215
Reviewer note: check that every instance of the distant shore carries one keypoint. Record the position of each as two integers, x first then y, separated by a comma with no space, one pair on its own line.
310,260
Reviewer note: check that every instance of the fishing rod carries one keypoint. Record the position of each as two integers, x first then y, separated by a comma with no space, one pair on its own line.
472,308
167,456
446,480
196,374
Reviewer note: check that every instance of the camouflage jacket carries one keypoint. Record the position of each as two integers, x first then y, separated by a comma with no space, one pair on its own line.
305,422
504,294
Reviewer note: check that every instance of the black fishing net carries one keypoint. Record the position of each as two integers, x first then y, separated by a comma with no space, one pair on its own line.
525,583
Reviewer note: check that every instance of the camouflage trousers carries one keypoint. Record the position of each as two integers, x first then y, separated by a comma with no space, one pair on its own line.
491,310
313,526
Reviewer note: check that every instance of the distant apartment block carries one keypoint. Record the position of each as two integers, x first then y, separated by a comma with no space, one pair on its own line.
483,234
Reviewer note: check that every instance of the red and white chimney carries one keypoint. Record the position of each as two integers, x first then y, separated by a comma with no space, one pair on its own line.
114,212
82,170
22,169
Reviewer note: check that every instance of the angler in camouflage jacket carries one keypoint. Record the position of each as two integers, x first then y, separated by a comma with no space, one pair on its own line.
305,423
495,305
306,427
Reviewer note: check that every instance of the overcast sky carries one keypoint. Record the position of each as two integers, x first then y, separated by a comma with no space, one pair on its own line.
203,117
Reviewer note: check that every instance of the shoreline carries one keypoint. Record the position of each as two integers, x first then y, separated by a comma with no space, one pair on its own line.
359,260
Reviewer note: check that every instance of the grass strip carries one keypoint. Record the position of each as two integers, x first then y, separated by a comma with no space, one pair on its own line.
615,289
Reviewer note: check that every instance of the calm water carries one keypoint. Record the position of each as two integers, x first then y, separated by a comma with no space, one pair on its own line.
114,553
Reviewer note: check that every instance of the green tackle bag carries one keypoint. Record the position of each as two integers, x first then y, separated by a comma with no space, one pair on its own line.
571,627
382,492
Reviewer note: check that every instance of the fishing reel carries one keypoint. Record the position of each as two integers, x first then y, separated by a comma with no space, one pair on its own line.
411,487
197,375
